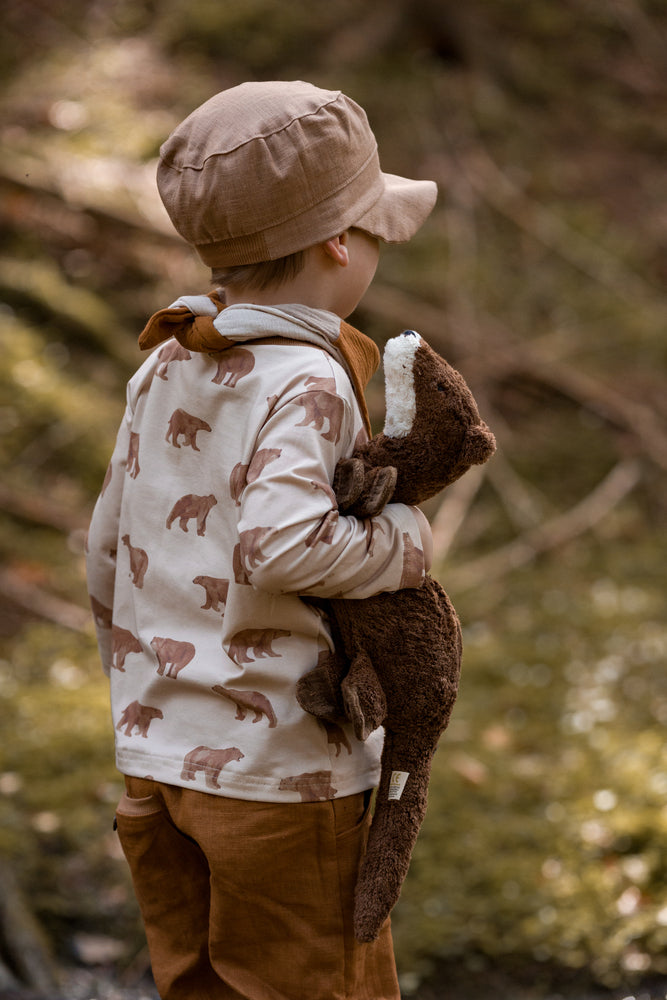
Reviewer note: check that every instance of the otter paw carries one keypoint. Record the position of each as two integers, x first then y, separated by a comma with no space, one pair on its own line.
348,481
317,695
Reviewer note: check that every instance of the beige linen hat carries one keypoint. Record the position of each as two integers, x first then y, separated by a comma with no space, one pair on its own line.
268,168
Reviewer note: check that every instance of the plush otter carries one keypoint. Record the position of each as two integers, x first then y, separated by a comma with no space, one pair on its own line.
398,655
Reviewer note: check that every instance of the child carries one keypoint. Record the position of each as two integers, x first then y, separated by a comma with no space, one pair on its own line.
244,818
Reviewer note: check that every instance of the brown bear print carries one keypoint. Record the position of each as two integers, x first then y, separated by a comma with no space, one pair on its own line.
322,403
172,655
192,506
370,527
138,562
122,644
251,540
336,736
361,438
258,639
233,365
211,762
413,563
216,591
133,455
107,479
237,481
101,614
327,490
240,575
249,701
184,424
312,786
171,351
136,716
242,475
324,530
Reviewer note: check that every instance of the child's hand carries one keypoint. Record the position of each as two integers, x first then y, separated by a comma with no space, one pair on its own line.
426,537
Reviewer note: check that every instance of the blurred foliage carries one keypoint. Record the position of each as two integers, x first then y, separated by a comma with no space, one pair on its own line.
541,274
547,807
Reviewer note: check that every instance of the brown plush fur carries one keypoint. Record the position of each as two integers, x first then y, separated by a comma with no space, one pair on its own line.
398,654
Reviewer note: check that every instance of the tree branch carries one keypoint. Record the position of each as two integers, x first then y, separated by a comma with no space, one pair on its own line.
23,937
41,603
552,533
456,502
502,356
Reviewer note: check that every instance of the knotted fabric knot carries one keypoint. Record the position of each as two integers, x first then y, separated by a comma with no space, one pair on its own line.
195,332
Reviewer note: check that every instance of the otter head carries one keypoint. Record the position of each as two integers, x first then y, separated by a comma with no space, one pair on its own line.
432,424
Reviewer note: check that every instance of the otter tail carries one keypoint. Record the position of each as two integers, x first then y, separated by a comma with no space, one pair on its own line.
399,811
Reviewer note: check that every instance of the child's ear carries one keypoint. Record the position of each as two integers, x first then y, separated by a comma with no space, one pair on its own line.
336,248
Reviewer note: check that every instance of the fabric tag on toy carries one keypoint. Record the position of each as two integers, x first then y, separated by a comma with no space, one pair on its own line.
397,784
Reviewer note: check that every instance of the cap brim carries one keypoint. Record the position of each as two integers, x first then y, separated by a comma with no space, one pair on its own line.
401,209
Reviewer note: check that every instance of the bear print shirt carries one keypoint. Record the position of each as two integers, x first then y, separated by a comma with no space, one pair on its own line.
215,518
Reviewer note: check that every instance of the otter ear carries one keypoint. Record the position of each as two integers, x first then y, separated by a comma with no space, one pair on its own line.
479,445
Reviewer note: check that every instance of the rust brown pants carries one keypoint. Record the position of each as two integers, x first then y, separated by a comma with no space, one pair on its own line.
251,900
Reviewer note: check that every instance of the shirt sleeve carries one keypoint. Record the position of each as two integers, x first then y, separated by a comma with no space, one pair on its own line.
293,538
102,540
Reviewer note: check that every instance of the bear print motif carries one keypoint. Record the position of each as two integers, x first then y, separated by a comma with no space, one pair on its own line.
361,439
259,640
210,761
249,701
250,541
336,736
327,489
133,455
413,563
322,403
137,716
216,590
138,562
242,475
172,351
101,614
182,423
172,655
234,364
312,786
370,527
240,574
192,506
123,642
324,530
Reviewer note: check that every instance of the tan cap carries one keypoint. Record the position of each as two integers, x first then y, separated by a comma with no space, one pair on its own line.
265,169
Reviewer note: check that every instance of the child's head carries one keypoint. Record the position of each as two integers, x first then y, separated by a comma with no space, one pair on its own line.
264,171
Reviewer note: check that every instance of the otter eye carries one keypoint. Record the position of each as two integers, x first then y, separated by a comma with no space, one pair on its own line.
441,387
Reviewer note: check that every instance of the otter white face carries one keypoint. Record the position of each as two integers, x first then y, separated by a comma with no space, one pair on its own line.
399,383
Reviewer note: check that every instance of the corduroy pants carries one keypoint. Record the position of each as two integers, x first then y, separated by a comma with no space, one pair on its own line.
251,900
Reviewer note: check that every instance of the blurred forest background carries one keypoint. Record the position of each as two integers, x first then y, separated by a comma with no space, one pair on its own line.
541,870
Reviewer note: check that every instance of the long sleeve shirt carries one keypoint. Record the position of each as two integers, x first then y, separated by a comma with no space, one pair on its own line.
215,520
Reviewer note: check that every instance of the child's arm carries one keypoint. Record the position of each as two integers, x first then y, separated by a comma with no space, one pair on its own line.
293,539
102,542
